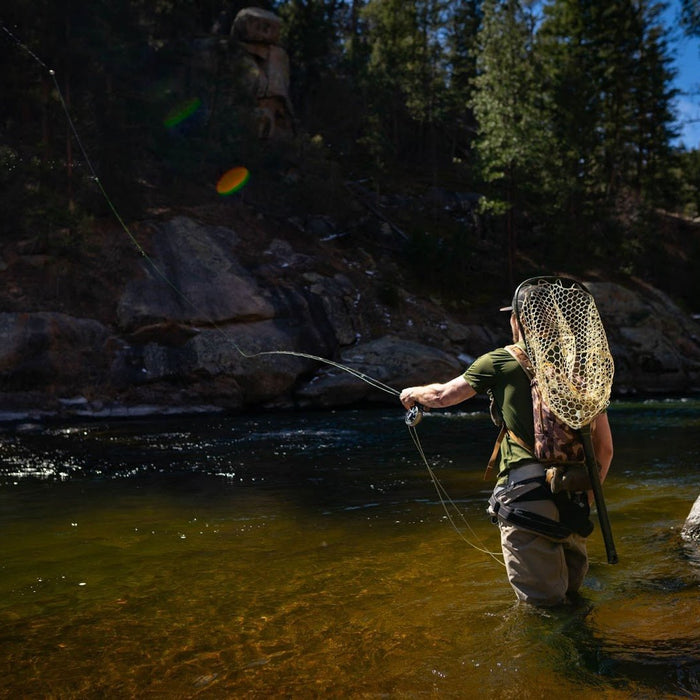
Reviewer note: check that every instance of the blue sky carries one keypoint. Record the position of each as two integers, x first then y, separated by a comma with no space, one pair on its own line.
686,52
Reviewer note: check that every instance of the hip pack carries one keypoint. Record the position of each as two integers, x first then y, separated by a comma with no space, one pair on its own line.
510,506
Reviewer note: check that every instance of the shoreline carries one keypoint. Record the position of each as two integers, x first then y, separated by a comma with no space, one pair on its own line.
80,409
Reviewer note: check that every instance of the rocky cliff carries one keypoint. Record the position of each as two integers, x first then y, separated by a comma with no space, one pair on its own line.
180,327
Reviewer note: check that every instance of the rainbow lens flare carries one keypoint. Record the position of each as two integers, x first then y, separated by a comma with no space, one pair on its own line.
182,112
233,180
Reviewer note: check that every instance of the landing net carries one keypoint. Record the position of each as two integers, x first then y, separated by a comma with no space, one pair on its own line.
567,346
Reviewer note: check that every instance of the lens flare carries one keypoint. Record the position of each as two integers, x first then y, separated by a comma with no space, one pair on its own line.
182,112
233,180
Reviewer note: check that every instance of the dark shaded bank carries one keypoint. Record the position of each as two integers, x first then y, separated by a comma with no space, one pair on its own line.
174,331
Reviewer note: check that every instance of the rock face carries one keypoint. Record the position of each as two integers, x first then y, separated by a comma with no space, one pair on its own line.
258,33
196,279
199,323
656,347
393,362
222,316
43,350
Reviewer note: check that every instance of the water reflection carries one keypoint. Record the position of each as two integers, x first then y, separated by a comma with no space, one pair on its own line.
309,555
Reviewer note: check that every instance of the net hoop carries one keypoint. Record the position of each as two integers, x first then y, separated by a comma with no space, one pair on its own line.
567,345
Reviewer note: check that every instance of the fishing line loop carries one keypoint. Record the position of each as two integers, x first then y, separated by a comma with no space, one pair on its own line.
413,416
450,507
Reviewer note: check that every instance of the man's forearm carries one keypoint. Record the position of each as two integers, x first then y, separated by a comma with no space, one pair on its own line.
438,395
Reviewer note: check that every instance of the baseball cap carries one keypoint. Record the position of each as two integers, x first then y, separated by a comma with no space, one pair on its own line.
518,298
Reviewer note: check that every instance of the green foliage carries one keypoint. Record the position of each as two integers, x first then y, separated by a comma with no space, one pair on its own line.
687,183
311,36
405,79
608,70
607,75
447,255
512,140
310,181
122,67
462,28
560,113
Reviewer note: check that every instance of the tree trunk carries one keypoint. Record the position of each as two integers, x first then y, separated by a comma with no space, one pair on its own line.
69,135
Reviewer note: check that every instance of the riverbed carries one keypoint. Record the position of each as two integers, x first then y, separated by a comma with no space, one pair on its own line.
302,554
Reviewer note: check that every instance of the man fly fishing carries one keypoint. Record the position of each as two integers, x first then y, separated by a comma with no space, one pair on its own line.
540,500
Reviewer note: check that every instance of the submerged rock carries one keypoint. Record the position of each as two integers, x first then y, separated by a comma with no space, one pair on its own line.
691,528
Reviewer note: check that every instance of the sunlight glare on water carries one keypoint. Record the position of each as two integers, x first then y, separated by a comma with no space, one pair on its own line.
307,555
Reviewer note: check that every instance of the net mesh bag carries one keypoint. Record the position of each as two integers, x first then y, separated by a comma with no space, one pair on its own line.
567,346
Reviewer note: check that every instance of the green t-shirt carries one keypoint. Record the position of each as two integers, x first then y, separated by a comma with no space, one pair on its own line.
499,371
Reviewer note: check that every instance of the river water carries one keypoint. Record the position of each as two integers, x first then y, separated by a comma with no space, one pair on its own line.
309,555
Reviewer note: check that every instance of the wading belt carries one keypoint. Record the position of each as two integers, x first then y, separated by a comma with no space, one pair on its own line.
573,512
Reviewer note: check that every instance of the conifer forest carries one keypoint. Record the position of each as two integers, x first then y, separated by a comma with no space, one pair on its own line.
555,116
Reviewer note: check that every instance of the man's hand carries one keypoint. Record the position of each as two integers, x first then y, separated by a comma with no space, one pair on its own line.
407,398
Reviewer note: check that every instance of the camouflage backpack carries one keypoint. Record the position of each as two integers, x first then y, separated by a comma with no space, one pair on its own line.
555,442
557,446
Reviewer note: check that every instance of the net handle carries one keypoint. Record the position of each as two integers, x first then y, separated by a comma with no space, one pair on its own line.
597,487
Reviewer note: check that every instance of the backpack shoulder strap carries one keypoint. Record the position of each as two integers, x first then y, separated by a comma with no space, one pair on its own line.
494,455
521,356
497,448
523,360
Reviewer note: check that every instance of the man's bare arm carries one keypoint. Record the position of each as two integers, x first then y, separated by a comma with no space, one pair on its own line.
601,437
438,395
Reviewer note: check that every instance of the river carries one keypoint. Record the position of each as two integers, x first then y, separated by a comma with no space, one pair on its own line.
308,555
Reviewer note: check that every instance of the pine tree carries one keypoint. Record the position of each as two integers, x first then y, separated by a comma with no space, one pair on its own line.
312,37
463,23
654,94
513,135
609,82
406,75
690,16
